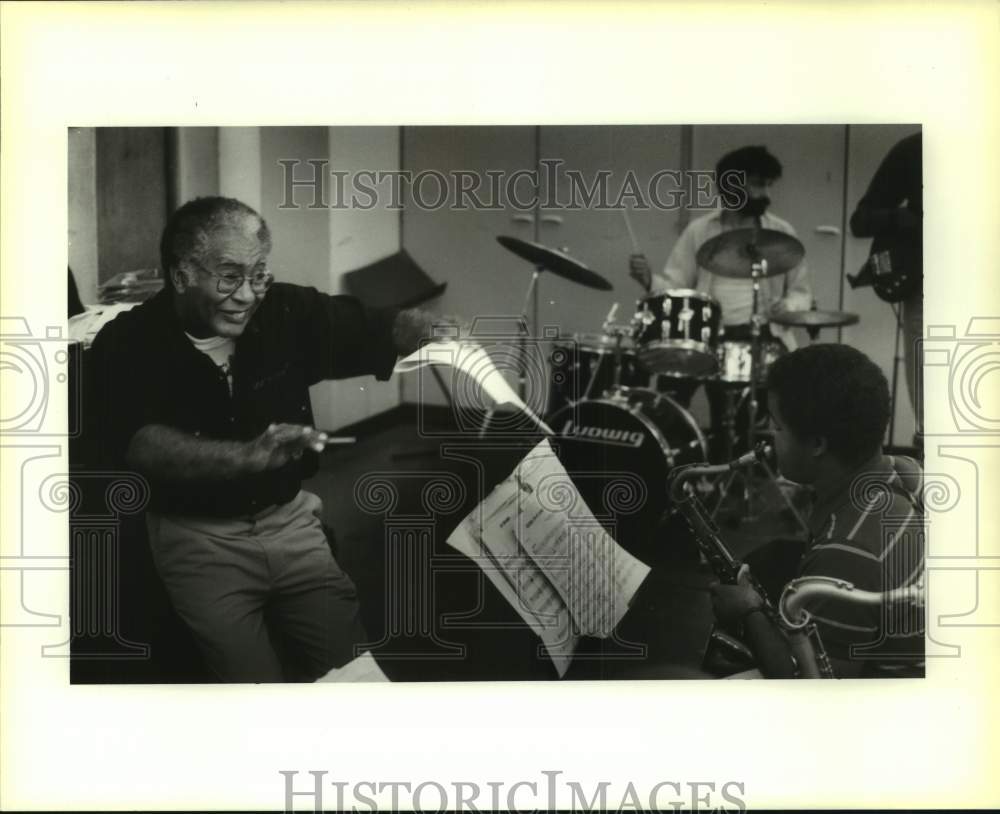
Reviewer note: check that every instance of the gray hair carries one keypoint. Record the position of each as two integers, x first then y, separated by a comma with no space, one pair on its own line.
188,228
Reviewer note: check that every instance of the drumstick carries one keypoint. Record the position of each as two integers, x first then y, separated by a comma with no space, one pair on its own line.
631,232
636,249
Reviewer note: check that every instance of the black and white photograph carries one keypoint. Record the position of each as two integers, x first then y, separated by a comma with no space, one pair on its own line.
499,403
499,406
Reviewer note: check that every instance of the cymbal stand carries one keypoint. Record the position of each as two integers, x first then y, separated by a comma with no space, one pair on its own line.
758,270
608,329
530,296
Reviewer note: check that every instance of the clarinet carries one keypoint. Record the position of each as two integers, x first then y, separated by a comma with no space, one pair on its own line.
808,653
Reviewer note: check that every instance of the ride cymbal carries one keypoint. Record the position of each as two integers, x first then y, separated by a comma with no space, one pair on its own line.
733,253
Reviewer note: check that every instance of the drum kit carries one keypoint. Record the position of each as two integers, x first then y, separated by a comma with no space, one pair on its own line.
610,399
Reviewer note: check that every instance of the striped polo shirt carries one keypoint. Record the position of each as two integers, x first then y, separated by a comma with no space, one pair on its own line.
869,531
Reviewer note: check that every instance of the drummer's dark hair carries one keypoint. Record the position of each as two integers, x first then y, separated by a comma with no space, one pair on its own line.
834,392
753,160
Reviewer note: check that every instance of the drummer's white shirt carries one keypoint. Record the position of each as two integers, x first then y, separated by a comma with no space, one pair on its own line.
734,296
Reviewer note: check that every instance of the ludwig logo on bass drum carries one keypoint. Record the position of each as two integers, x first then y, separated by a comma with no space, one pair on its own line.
623,438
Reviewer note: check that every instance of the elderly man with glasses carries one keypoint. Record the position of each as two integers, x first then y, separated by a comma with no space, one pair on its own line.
205,392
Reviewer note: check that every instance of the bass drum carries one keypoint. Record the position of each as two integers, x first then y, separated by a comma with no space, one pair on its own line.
619,450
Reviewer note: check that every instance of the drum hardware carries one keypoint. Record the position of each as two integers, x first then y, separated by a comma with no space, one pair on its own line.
609,329
557,262
621,449
676,333
735,358
586,366
813,321
744,253
727,254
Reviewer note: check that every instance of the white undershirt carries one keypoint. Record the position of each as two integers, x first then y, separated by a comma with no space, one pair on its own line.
220,350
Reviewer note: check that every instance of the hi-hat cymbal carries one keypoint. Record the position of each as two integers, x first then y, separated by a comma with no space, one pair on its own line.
559,263
730,254
815,319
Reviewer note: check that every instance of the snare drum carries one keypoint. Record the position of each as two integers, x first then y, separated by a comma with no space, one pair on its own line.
734,360
677,333
583,366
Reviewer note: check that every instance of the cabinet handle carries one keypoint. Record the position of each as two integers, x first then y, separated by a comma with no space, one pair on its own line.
523,219
828,230
555,219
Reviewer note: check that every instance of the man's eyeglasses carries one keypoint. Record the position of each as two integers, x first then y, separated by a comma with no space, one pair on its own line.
227,282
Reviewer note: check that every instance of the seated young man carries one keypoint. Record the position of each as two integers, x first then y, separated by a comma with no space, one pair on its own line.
829,408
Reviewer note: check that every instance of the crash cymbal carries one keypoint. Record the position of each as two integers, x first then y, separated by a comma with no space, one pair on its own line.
815,319
729,254
559,263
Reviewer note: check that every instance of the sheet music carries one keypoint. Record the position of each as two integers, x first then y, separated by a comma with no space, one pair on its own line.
473,361
551,559
522,583
595,576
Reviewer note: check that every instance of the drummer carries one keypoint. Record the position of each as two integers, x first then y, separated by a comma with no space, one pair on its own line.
785,292
750,172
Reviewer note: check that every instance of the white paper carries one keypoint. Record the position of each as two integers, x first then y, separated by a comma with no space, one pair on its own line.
550,558
595,576
473,361
549,620
363,668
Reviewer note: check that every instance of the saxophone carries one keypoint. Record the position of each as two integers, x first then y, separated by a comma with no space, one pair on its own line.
804,641
802,592
706,533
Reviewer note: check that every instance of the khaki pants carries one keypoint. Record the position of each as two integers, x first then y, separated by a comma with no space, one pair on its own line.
263,595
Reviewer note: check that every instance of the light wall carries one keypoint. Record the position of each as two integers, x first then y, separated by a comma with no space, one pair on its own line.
82,215
315,246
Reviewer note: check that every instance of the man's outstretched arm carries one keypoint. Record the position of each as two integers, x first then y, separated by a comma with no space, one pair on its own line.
169,454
